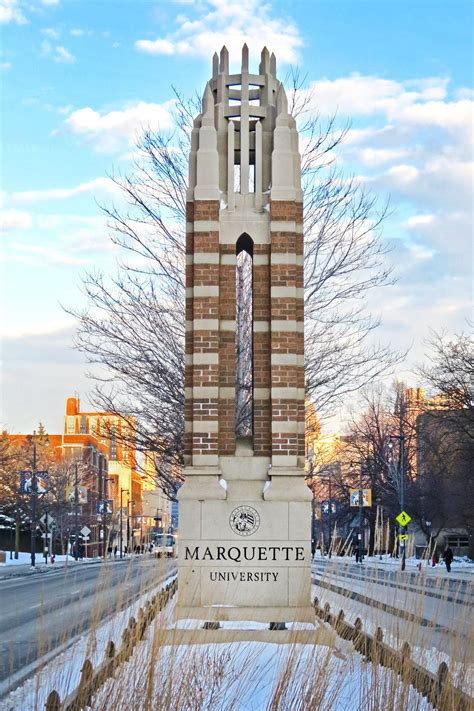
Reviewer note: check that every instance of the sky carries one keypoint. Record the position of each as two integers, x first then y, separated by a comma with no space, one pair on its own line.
81,78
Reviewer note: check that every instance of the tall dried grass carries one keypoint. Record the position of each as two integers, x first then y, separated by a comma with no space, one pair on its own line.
436,621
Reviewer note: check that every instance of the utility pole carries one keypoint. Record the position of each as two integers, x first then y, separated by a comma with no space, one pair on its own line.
104,506
129,542
34,496
76,513
330,514
361,548
402,494
401,486
101,509
46,540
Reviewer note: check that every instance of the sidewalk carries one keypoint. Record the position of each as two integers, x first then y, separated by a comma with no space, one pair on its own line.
22,566
461,569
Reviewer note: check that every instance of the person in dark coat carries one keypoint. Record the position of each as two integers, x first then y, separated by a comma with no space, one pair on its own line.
448,556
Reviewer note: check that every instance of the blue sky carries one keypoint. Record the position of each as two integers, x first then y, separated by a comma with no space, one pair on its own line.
79,78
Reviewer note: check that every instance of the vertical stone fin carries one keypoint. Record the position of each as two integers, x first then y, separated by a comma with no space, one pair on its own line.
273,64
224,63
230,166
264,61
245,59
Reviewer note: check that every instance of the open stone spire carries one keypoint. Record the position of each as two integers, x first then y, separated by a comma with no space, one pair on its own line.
244,202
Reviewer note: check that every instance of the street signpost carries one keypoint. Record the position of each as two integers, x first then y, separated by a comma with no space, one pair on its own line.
47,520
49,524
403,519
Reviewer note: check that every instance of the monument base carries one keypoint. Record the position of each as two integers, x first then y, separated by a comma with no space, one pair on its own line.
246,614
244,544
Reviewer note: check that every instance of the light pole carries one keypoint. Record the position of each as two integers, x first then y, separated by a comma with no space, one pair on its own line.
76,512
105,503
401,481
122,491
361,549
359,554
129,542
34,495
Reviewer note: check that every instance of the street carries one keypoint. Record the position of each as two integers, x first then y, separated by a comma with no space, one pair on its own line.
424,609
41,613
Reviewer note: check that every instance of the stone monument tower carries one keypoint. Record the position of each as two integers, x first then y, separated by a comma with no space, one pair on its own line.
244,539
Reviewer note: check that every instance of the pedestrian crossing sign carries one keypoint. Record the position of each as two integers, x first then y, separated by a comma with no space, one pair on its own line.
404,536
403,518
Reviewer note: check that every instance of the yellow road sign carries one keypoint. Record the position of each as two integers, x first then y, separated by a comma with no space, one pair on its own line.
404,536
403,518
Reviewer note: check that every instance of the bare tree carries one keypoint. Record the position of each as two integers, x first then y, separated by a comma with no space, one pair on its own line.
449,374
133,325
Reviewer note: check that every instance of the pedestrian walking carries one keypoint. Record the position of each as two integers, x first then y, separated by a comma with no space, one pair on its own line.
448,556
115,551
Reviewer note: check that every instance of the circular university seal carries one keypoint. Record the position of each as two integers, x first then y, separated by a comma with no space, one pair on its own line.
244,520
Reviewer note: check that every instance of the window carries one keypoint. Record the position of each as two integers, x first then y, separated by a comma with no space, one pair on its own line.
244,338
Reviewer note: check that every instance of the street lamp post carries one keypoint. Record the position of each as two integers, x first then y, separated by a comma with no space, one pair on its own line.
361,549
401,481
129,537
76,512
34,495
122,491
105,502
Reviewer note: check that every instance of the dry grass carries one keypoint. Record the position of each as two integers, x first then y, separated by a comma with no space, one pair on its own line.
232,676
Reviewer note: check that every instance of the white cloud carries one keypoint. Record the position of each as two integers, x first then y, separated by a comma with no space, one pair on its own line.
10,12
233,24
418,251
108,131
32,196
14,220
50,3
76,32
158,46
372,157
58,53
417,220
63,55
5,66
51,32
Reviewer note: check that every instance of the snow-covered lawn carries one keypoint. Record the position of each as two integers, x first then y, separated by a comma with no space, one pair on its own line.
250,676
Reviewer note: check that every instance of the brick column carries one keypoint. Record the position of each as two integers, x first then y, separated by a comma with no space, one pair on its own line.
205,334
188,376
227,356
261,351
287,368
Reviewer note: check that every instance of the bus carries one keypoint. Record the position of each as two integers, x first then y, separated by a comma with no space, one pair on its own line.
164,545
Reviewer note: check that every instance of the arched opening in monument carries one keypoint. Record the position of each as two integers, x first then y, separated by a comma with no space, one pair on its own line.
244,339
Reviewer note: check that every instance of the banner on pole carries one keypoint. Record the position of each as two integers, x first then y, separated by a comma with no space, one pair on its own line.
27,482
81,494
366,497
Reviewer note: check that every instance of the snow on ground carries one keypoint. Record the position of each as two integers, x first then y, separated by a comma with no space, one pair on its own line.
63,672
25,559
462,565
248,676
